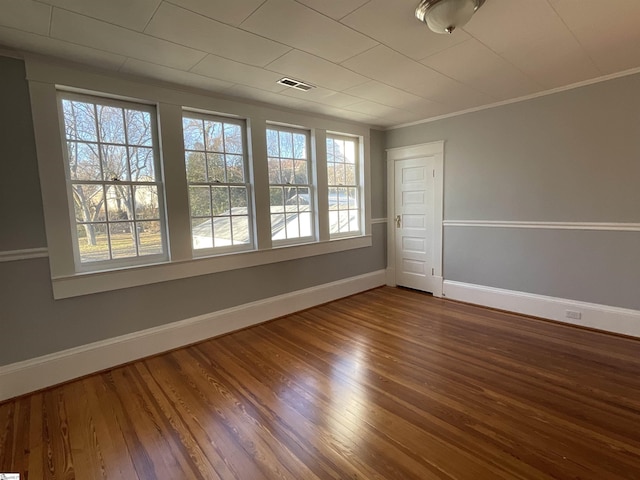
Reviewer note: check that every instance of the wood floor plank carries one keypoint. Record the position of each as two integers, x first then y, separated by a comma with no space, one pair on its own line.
390,384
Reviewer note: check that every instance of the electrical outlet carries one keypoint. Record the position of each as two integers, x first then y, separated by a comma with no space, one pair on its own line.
573,314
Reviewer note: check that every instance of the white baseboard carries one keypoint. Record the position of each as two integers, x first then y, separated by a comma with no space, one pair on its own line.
41,372
601,317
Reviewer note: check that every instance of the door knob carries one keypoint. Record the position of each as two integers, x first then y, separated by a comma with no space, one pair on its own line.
398,221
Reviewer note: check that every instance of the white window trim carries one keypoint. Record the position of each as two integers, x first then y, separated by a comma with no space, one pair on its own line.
128,261
44,75
249,184
312,186
359,167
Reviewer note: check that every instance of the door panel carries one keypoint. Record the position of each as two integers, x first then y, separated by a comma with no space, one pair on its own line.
414,203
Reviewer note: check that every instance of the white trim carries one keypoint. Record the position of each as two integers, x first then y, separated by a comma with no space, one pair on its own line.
543,93
601,317
378,220
93,282
25,254
607,226
431,149
37,373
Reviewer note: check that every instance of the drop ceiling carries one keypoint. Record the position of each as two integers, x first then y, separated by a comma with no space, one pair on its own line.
370,60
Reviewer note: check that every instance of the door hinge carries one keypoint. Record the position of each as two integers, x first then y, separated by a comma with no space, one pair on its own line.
433,272
434,173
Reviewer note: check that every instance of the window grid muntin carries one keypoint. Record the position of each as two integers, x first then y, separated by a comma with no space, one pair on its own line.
231,218
123,105
353,213
307,209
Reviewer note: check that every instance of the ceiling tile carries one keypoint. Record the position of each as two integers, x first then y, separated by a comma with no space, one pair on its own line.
57,48
372,108
226,11
394,24
104,36
475,65
323,96
298,26
607,30
315,70
235,72
386,95
126,13
256,94
25,15
192,30
179,77
334,8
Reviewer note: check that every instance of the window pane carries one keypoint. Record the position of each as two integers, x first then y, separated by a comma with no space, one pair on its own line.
215,165
286,144
339,151
193,133
353,198
93,243
119,202
292,227
240,230
235,168
201,233
306,227
334,221
330,156
278,232
354,222
273,149
274,170
200,201
350,174
213,132
79,121
238,200
110,124
344,220
114,163
301,172
276,195
84,161
123,239
333,198
222,232
146,202
141,162
139,127
286,170
291,203
331,174
196,168
149,238
350,152
232,138
299,146
220,198
304,198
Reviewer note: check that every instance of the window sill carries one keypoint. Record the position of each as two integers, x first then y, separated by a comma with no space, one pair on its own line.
104,281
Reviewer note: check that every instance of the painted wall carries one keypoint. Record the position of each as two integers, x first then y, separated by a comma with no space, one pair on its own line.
33,324
572,156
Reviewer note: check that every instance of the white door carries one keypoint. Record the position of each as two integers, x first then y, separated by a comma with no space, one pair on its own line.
413,223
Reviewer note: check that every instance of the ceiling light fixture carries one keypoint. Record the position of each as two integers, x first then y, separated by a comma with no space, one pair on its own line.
444,16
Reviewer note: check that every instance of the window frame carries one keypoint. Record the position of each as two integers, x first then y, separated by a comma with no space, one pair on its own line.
248,184
46,76
311,185
358,185
137,260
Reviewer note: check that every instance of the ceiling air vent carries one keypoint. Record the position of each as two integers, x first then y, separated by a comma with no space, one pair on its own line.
297,84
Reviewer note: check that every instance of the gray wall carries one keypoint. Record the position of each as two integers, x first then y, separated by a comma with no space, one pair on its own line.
33,324
569,157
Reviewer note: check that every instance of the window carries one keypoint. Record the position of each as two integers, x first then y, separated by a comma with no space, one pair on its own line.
114,186
343,184
219,194
290,189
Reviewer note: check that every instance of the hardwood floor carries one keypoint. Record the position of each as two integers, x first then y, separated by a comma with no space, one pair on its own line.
388,384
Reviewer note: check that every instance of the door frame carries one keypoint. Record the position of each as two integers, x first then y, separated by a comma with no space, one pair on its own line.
435,150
